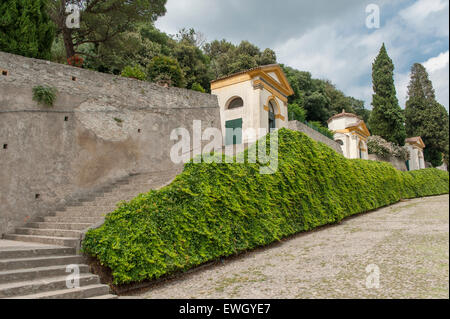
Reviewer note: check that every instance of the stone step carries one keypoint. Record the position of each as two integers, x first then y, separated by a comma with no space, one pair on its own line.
64,219
44,261
36,273
49,232
87,209
104,297
74,293
24,288
84,213
103,203
66,226
36,252
58,241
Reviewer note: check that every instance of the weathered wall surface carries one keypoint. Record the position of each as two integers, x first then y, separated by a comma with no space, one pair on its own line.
76,146
298,126
397,163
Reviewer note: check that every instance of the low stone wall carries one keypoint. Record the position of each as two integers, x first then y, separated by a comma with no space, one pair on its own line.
298,126
101,127
397,163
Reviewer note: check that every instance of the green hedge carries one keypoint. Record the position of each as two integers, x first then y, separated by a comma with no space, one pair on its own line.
217,210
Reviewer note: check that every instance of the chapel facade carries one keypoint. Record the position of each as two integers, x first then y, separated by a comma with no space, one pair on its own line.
415,146
351,132
252,99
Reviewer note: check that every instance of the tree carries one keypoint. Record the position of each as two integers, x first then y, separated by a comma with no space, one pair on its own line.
226,58
296,112
194,63
425,117
102,21
26,28
387,118
167,70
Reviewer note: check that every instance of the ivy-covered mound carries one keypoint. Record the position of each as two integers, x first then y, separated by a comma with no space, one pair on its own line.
216,210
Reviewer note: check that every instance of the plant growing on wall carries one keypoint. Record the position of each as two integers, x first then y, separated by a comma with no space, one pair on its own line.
134,72
214,210
45,95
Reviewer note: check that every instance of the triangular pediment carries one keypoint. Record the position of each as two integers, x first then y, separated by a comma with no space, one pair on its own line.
271,74
275,76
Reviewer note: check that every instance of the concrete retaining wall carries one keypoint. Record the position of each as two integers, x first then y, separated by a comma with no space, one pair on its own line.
397,163
298,126
102,127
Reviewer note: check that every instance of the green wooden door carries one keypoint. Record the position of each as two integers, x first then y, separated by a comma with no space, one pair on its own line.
233,132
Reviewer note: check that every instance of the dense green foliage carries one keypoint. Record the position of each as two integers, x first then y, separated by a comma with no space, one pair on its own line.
45,95
166,70
26,28
318,100
134,72
387,118
425,117
217,210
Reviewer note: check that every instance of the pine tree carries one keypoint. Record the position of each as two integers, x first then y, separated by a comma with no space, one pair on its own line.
26,28
425,117
387,118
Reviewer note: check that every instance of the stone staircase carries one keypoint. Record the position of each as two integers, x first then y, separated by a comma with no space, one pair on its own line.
33,264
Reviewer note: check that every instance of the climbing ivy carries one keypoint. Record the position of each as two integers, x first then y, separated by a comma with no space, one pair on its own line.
217,210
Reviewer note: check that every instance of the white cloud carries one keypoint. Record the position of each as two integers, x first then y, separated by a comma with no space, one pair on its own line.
427,17
438,70
437,63
329,38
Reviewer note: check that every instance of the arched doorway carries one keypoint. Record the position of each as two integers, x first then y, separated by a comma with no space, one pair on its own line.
272,123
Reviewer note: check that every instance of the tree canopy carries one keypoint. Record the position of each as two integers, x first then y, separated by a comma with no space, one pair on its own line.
425,117
102,21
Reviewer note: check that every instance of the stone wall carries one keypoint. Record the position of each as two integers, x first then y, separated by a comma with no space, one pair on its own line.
101,128
298,126
397,163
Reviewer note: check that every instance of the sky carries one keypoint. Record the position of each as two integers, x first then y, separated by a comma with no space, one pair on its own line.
330,38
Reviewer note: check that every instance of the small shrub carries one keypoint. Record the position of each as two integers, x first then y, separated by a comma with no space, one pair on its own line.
197,87
45,95
168,69
134,72
384,149
401,152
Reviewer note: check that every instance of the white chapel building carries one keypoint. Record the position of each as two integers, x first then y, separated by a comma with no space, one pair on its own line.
415,147
351,133
252,99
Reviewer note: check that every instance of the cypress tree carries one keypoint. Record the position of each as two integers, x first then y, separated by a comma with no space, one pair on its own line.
387,118
26,28
425,117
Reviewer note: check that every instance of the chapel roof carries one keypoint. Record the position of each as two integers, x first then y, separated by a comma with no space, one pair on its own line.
415,140
343,114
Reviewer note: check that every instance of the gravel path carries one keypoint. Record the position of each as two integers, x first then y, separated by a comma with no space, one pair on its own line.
407,242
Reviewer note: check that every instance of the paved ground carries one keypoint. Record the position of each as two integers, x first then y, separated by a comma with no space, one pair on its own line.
408,242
